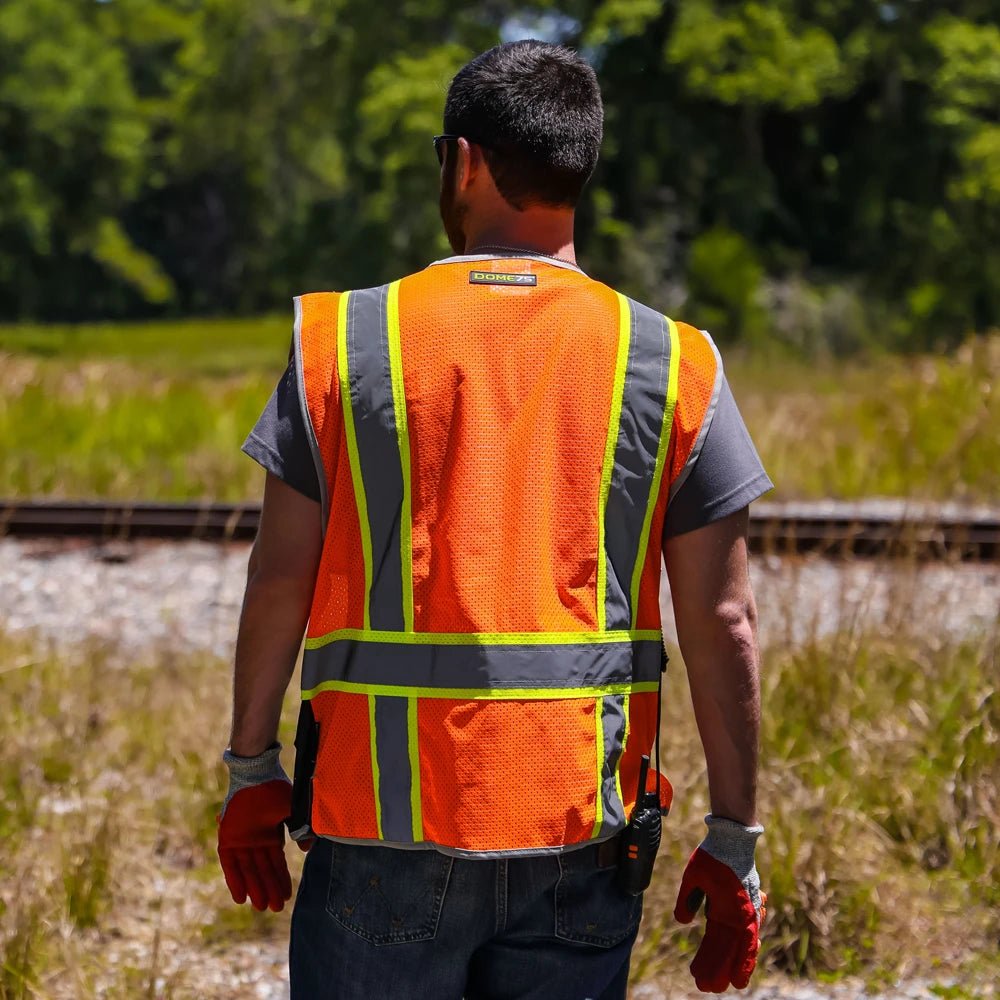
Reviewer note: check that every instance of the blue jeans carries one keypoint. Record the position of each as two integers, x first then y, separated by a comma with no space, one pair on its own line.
380,923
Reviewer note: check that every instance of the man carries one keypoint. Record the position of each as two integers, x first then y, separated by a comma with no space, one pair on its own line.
465,470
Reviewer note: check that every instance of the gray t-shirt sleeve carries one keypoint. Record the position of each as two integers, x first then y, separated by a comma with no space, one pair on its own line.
279,441
726,475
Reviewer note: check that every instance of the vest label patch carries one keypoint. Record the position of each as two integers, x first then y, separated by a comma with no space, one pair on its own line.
501,278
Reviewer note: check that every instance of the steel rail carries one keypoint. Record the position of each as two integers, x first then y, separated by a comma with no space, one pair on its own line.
832,529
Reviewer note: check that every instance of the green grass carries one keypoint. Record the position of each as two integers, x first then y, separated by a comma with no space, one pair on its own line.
159,411
204,347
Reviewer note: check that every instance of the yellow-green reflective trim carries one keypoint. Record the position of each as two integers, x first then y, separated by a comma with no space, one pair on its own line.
618,765
480,694
599,741
669,405
344,378
376,778
483,638
614,419
413,747
403,435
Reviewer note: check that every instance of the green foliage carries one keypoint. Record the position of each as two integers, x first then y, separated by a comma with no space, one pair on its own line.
724,276
751,54
73,147
218,156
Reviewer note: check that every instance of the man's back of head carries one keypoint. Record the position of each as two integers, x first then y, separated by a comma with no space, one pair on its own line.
536,110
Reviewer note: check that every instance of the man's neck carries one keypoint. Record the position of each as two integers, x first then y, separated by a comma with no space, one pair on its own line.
544,231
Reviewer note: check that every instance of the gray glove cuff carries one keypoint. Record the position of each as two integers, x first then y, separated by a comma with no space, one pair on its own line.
733,844
245,772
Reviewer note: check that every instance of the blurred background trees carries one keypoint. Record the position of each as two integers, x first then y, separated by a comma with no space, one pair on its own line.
822,174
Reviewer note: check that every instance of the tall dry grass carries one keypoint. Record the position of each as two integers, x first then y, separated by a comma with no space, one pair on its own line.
879,793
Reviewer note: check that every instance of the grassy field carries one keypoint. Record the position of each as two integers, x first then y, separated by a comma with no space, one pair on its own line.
159,410
878,790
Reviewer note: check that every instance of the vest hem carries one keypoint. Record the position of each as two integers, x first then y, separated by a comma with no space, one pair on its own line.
458,852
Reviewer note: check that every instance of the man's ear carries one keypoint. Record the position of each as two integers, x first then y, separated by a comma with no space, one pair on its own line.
470,162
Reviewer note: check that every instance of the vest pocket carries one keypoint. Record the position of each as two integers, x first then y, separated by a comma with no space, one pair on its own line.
387,895
590,908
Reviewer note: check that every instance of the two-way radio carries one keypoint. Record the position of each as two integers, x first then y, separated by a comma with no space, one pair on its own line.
640,838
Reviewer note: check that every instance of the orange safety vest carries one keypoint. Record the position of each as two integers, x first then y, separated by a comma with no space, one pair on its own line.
496,455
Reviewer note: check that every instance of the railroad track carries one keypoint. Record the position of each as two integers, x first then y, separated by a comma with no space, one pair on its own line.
832,529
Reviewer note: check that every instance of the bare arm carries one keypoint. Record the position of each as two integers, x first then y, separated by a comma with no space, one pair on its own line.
280,581
717,628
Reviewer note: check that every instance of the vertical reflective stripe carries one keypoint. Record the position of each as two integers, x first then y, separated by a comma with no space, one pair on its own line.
614,418
391,719
643,433
374,416
347,405
373,740
610,725
403,437
614,718
625,734
601,761
416,810
669,405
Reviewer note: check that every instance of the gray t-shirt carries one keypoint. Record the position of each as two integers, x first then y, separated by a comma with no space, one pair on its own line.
725,476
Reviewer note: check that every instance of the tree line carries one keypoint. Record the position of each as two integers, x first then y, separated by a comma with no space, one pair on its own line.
823,173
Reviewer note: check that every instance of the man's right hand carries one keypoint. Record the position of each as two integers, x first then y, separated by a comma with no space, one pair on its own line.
252,830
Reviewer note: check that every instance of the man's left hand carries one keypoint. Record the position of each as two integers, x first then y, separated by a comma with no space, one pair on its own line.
723,873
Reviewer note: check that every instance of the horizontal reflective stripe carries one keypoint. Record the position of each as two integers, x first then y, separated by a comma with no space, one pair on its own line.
484,638
582,665
480,694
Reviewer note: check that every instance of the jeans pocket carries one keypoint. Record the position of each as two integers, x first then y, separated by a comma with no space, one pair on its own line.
387,895
590,907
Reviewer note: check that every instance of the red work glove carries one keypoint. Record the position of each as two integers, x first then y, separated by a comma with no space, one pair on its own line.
252,830
722,870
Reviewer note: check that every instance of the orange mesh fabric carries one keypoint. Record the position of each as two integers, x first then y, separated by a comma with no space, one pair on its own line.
508,392
343,787
695,384
497,772
338,600
642,728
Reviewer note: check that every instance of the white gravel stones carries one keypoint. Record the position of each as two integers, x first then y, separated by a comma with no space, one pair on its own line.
784,989
187,596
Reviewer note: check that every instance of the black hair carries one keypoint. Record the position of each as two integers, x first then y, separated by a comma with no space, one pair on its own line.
536,110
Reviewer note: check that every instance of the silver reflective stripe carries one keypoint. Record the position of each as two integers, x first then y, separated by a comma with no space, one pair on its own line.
632,487
429,666
613,720
706,422
393,768
378,449
324,493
